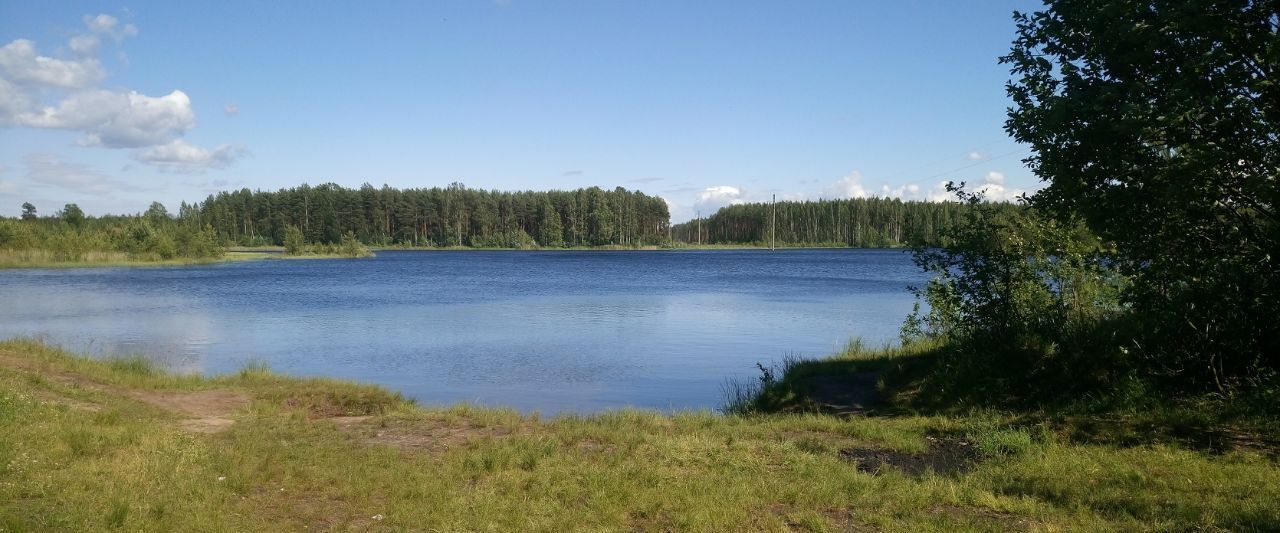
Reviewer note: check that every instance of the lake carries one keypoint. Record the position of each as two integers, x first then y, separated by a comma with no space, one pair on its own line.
554,332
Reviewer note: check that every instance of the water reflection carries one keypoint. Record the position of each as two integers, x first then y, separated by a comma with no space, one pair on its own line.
539,331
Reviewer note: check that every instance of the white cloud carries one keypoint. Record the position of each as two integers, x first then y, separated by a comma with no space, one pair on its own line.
49,169
994,189
939,193
852,186
719,193
711,199
231,110
180,156
108,25
100,26
154,125
21,65
118,120
847,187
13,102
976,156
903,192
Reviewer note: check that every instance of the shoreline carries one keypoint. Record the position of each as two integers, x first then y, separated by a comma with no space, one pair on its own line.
231,256
271,253
92,443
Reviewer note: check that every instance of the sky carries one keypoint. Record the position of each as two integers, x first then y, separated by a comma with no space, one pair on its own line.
113,105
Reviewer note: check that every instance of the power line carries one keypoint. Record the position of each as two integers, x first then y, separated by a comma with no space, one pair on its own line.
967,152
984,161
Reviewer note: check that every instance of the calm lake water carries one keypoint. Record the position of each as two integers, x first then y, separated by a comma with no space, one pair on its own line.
539,331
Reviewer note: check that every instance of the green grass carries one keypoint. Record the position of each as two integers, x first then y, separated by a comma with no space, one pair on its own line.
80,451
10,259
96,259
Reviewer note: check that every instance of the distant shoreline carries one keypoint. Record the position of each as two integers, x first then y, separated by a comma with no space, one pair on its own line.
271,253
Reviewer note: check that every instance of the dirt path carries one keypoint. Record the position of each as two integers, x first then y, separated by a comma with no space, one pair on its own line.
204,411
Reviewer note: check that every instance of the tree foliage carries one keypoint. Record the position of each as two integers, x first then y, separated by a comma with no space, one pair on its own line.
71,214
1158,124
1024,297
450,216
857,222
294,242
73,237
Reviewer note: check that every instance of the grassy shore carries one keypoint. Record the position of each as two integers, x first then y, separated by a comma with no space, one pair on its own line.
88,445
98,259
10,259
618,247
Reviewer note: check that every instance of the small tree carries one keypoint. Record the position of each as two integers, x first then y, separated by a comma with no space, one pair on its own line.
157,213
350,246
71,214
550,232
294,242
28,211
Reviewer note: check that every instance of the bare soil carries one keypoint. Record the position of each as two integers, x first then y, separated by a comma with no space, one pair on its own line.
206,411
945,456
428,435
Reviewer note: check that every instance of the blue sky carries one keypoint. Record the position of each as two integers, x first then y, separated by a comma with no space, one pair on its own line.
112,105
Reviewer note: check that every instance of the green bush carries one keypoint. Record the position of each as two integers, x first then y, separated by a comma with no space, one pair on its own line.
1026,300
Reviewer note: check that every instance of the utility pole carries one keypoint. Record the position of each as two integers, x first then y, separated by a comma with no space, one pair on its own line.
699,227
773,223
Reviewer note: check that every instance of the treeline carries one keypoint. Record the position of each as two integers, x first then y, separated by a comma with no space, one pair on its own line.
450,216
68,236
858,222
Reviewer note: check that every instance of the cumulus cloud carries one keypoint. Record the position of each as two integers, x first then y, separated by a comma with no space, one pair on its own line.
118,120
22,66
976,156
152,125
994,189
711,199
13,102
720,193
181,156
49,169
100,26
849,186
904,192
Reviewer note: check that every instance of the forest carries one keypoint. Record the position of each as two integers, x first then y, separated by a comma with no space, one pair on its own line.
856,222
329,218
436,217
71,237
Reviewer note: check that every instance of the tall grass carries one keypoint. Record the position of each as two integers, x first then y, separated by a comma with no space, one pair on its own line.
107,460
742,396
